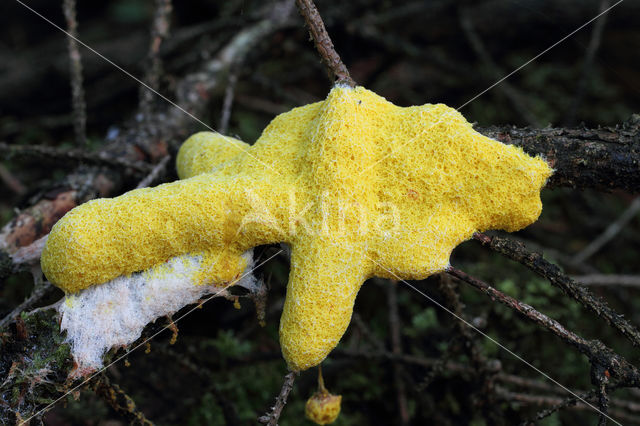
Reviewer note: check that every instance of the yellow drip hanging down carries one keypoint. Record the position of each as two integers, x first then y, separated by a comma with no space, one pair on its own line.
357,186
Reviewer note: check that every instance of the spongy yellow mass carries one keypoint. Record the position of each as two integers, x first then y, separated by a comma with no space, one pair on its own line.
357,186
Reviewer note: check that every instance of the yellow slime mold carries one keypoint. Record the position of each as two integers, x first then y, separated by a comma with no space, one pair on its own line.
357,186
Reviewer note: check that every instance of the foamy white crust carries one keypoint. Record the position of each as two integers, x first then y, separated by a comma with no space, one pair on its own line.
114,314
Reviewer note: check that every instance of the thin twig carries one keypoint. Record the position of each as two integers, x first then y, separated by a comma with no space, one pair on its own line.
511,93
517,251
557,255
12,183
603,404
528,311
228,409
587,66
608,280
396,348
627,407
100,158
159,32
366,332
77,90
228,102
484,371
122,403
597,352
559,404
271,418
262,105
337,70
158,169
624,414
39,293
609,233
452,301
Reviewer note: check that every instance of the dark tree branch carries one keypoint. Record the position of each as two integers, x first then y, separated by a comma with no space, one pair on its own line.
271,418
517,251
338,71
603,404
76,155
603,158
77,90
555,402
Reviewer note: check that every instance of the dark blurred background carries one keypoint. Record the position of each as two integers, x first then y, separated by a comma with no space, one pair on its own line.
411,52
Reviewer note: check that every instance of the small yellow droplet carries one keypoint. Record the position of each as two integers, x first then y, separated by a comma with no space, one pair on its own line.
322,408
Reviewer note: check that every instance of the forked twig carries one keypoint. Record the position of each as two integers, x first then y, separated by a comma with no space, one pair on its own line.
517,251
609,363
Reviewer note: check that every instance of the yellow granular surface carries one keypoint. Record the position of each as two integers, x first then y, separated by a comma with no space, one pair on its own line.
323,408
357,186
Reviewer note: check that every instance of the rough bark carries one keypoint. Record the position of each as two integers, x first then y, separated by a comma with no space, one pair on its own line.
603,158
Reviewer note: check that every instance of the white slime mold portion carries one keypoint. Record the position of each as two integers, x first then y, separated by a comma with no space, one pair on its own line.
114,314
